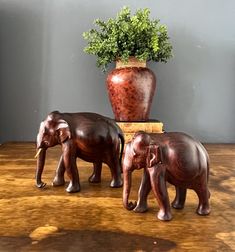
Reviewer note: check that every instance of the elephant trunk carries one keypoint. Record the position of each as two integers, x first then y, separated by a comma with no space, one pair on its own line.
127,176
40,166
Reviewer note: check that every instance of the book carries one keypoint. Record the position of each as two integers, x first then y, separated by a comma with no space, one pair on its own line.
130,128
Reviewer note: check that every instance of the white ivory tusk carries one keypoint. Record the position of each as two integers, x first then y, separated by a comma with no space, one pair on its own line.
38,152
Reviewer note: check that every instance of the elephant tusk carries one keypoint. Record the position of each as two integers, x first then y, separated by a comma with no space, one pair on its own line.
38,152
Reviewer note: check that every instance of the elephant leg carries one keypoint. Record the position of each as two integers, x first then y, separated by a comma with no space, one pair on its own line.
96,175
158,183
203,196
115,169
59,175
69,157
180,197
145,188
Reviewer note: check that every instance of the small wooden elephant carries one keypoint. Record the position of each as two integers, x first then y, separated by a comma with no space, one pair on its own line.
174,157
89,136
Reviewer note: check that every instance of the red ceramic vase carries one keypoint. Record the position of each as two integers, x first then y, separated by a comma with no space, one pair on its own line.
131,90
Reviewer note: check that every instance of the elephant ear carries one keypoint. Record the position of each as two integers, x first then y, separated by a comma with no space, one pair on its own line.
63,130
153,155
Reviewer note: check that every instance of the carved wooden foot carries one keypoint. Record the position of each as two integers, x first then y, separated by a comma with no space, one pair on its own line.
58,181
164,216
116,183
203,210
94,179
73,188
141,208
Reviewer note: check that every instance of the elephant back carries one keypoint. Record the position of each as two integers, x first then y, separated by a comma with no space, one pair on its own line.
185,157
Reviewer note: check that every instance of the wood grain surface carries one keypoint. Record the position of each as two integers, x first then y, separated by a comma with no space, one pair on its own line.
95,220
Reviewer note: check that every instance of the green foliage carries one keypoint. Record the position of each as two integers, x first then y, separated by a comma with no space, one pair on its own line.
125,36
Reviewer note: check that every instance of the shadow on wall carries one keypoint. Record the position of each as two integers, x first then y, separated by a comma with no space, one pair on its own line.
177,82
76,84
22,38
194,89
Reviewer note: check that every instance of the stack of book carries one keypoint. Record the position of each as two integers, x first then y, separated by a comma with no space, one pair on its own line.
130,128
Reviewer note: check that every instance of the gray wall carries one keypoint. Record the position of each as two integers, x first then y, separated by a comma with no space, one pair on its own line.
43,67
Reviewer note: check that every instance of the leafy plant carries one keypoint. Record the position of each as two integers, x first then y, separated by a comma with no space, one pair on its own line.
125,36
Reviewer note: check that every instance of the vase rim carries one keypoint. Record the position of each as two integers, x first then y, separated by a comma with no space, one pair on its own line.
132,62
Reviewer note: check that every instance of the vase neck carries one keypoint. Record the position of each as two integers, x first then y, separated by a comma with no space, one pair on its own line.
132,62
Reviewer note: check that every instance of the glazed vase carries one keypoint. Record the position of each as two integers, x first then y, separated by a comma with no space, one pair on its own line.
131,87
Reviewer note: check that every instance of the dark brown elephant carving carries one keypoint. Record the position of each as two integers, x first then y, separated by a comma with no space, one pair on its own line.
89,136
174,157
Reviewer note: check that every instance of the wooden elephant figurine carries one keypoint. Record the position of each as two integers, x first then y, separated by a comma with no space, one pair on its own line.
89,136
166,157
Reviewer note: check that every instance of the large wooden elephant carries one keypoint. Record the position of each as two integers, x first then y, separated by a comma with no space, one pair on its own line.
89,136
174,157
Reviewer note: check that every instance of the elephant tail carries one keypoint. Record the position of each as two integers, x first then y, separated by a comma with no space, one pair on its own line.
208,173
208,169
122,139
121,136
208,165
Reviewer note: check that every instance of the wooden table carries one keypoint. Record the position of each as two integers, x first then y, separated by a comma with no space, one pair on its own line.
95,220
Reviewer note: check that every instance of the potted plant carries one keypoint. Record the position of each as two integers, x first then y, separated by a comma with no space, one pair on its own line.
131,41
